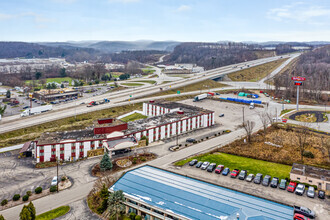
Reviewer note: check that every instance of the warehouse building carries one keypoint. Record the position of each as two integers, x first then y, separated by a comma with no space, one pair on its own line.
311,175
55,94
157,194
166,120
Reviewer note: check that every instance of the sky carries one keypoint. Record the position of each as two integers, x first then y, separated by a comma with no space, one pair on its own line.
160,20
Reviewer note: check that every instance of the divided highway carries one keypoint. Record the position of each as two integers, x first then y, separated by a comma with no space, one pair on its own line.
121,97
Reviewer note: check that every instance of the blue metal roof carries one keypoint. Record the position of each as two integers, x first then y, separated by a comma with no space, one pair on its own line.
196,199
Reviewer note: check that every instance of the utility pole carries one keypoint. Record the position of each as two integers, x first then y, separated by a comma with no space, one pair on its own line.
57,173
243,114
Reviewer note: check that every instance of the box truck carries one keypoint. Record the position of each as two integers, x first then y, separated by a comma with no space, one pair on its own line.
36,110
200,97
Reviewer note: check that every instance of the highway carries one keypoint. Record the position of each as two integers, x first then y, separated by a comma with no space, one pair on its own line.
121,97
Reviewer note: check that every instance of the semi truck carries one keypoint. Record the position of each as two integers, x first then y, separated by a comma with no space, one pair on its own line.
36,110
200,97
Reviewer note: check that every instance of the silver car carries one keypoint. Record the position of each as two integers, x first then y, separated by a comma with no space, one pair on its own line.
311,192
250,177
205,165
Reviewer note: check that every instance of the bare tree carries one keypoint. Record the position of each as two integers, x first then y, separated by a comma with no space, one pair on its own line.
265,120
326,145
248,127
301,135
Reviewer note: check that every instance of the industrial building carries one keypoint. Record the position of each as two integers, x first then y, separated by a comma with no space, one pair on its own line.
165,120
311,175
55,94
157,194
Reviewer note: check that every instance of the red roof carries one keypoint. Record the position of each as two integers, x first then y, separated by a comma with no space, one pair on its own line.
25,147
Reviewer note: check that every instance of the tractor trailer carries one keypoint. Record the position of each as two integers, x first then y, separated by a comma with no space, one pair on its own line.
36,110
200,97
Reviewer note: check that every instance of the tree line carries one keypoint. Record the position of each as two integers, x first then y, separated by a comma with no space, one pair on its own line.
315,66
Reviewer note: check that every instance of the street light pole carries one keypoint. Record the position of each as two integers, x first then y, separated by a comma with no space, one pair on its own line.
298,97
57,173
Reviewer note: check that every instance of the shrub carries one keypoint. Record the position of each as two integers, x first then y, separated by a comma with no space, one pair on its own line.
63,178
38,190
308,154
25,198
1,217
132,215
138,217
143,159
186,145
134,160
29,193
16,197
53,189
4,202
180,145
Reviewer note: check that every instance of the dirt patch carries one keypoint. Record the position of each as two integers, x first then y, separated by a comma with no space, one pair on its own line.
288,153
308,116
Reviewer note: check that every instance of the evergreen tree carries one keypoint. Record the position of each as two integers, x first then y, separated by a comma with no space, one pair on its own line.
32,210
25,214
116,203
105,163
2,218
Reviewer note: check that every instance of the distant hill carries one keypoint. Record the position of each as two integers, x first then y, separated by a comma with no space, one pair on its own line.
117,46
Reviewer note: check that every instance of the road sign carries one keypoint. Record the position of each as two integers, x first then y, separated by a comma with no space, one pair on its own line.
30,95
298,78
130,96
297,83
178,92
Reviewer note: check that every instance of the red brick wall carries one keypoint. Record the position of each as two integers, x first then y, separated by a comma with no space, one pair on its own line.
108,130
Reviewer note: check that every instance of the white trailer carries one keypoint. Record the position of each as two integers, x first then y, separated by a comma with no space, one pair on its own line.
36,110
200,97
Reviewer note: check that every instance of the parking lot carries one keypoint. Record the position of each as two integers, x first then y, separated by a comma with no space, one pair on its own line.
320,206
233,113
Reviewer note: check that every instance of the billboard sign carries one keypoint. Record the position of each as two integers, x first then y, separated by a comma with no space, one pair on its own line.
298,78
297,83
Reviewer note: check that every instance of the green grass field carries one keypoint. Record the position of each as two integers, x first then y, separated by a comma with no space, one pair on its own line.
132,84
55,213
133,117
243,163
58,80
148,70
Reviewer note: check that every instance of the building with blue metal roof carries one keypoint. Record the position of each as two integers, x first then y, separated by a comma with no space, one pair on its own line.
158,194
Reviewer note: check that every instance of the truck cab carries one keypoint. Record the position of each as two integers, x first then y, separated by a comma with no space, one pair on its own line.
251,105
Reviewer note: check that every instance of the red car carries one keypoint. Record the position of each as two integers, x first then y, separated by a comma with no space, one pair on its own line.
219,169
291,187
300,217
234,173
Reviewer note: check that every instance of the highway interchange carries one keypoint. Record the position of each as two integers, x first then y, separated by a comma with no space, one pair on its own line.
121,97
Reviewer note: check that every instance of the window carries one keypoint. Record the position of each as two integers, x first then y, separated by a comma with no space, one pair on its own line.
42,154
73,150
53,152
73,145
62,152
62,145
41,147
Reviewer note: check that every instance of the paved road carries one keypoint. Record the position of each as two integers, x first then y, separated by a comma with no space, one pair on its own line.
70,109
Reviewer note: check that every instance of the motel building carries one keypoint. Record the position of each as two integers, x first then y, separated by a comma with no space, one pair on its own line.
158,194
165,120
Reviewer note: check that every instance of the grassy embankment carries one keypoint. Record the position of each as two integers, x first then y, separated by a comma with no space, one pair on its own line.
66,124
53,214
148,70
132,84
253,74
145,81
133,117
243,163
203,85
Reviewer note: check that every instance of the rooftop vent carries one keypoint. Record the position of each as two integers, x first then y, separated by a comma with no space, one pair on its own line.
180,112
151,101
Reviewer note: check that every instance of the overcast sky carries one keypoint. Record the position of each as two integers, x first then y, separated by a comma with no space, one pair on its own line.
180,20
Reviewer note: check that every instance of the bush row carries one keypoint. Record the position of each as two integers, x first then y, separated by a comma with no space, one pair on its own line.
16,197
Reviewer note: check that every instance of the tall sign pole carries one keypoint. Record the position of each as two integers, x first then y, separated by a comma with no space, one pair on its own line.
298,82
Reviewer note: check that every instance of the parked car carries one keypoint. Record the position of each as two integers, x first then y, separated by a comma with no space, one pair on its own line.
282,184
221,115
300,217
193,162
226,171
54,181
321,194
219,169
199,164
303,210
234,173
250,177
266,180
258,178
311,192
242,174
274,182
300,189
211,167
190,140
291,187
205,165
25,107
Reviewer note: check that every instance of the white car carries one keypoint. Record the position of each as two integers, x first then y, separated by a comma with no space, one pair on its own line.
205,165
54,181
300,189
